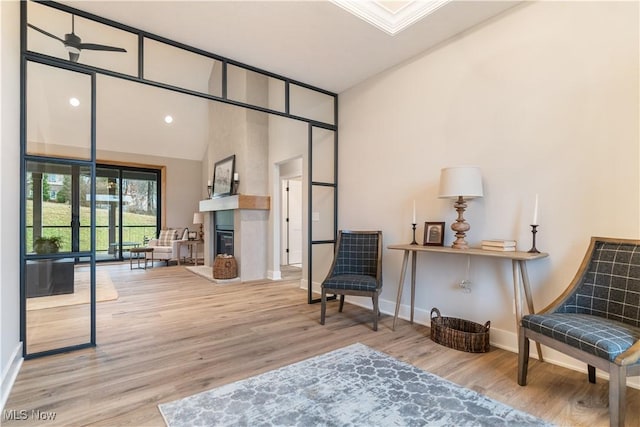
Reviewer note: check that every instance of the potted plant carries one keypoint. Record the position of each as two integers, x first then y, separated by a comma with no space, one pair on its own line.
47,245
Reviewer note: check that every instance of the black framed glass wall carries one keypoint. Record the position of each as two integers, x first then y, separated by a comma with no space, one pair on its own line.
58,299
204,76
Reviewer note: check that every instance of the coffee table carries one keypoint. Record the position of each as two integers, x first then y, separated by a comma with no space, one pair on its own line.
138,251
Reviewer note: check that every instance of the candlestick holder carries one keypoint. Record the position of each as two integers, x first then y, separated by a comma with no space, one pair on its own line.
413,227
533,249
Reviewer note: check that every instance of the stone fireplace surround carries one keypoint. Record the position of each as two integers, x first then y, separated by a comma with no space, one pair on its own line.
250,227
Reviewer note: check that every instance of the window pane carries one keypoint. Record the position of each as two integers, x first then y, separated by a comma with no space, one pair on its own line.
179,67
58,112
48,208
58,302
140,206
311,104
322,214
323,146
255,88
61,24
321,259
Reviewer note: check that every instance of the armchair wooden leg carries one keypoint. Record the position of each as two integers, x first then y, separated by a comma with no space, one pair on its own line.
375,312
341,303
617,395
323,308
523,357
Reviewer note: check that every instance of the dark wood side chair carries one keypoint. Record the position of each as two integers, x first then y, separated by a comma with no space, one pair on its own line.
596,320
356,269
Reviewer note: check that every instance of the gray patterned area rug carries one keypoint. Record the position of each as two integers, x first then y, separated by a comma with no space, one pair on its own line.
351,386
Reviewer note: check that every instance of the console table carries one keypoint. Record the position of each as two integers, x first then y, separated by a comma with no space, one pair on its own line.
518,262
190,244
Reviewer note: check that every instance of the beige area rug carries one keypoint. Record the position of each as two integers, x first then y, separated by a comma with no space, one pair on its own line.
207,272
105,291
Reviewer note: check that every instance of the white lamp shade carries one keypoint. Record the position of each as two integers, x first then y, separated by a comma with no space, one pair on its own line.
465,181
198,218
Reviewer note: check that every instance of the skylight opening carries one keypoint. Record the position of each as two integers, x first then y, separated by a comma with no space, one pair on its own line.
390,16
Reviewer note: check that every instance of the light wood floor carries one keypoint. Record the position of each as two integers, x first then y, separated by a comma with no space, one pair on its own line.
172,334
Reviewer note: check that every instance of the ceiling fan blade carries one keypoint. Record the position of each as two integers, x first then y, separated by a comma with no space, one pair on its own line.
93,46
73,57
45,32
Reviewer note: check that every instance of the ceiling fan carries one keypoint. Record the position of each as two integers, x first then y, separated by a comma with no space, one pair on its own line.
74,44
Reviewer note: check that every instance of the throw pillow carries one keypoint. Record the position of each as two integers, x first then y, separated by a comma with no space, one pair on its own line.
166,236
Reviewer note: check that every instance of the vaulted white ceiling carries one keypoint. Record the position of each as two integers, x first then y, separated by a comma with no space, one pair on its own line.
316,42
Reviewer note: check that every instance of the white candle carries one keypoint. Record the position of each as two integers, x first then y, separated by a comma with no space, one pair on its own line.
414,212
209,183
235,176
535,212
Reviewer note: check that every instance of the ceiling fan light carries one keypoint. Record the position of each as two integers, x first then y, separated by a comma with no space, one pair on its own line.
72,49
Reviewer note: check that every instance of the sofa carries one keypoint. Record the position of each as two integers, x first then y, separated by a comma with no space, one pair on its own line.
166,247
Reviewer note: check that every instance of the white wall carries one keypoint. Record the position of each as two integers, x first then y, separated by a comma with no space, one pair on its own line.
544,100
10,345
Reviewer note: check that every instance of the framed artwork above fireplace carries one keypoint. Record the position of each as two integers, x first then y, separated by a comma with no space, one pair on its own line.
223,176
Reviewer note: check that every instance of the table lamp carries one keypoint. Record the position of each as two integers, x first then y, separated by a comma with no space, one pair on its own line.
461,183
198,218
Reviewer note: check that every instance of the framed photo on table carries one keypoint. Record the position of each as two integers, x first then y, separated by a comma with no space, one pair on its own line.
223,176
433,233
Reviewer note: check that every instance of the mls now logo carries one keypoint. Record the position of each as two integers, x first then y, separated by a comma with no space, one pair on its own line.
23,415
15,415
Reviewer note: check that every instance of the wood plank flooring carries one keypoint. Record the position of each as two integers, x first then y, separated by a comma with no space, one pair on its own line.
172,334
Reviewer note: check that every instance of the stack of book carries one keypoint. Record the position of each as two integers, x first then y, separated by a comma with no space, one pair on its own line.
499,245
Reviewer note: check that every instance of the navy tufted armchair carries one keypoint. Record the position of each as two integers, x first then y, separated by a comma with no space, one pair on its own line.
356,269
596,320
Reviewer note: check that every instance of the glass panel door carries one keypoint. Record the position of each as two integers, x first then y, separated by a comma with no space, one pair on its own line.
140,202
107,214
127,202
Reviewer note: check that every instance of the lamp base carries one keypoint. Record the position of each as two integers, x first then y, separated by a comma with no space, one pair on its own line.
460,226
460,244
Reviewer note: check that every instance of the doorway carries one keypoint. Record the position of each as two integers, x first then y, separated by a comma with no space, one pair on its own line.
291,197
291,242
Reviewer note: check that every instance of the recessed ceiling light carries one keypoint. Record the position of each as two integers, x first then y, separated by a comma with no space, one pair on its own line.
74,102
168,119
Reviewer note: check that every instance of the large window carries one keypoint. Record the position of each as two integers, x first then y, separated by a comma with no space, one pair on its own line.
127,215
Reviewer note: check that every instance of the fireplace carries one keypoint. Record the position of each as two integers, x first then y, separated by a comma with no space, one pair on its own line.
239,225
224,231
224,242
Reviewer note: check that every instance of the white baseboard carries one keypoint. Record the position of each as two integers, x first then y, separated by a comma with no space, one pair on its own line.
274,275
505,340
9,375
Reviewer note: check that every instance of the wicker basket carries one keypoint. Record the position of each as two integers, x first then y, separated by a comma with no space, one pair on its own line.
225,267
459,334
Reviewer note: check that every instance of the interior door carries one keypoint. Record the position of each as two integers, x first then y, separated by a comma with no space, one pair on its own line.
294,235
